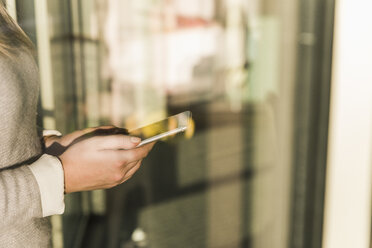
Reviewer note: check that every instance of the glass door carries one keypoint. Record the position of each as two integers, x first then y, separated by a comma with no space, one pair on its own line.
242,177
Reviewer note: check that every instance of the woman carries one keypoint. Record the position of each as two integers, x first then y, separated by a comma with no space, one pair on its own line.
33,183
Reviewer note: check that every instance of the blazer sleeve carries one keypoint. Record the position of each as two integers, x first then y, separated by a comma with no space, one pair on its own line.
25,189
19,196
31,191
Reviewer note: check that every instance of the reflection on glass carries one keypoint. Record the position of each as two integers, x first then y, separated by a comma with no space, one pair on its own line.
130,63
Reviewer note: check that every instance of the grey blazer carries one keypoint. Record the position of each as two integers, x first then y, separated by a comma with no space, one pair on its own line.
21,222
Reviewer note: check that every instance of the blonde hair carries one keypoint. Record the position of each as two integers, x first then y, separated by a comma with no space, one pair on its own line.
12,36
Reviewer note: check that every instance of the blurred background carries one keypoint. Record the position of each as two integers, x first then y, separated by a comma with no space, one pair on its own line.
256,76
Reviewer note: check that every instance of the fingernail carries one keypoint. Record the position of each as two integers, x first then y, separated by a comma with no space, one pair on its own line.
135,139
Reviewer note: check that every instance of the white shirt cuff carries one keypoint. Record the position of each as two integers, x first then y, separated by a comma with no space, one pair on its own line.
49,175
48,132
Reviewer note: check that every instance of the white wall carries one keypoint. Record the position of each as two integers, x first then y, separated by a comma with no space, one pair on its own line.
348,189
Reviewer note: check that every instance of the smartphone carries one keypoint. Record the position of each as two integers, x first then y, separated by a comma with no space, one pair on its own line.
163,129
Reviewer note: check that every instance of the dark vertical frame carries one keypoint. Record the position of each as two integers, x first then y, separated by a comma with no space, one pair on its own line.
72,65
316,18
78,57
26,18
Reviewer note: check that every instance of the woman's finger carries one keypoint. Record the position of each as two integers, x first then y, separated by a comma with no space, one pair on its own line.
116,142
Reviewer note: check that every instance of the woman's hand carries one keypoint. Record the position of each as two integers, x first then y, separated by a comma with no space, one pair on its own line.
99,162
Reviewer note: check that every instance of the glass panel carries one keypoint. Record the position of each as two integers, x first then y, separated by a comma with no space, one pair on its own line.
232,63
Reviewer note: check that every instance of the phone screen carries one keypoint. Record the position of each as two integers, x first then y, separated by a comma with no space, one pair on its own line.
162,129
